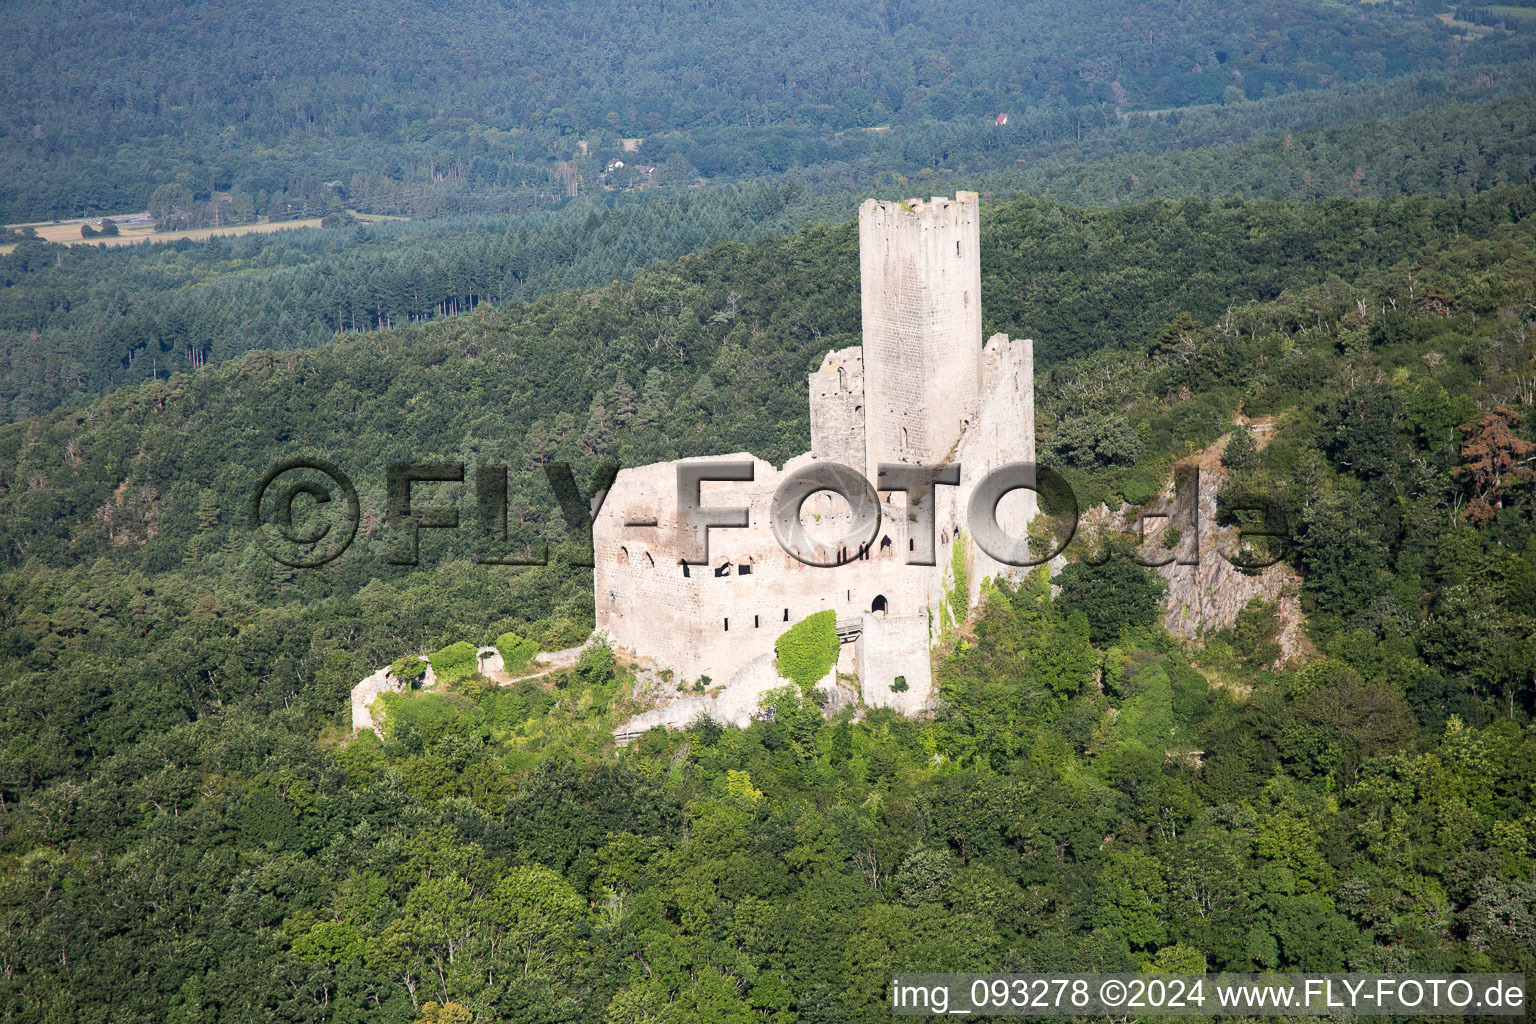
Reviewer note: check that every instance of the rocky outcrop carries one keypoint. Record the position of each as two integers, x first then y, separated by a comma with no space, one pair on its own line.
1205,590
1208,595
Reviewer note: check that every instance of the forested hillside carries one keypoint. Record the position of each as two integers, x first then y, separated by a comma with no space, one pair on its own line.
79,321
1292,240
186,833
474,107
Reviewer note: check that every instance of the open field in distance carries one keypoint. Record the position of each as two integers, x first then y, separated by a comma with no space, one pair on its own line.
68,232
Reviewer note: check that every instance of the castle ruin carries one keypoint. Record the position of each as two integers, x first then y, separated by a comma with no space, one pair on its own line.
921,390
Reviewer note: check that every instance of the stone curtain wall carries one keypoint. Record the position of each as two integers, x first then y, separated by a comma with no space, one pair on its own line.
709,624
1004,432
837,409
890,648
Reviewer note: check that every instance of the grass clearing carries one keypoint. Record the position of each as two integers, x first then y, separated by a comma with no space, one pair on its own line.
1521,14
68,232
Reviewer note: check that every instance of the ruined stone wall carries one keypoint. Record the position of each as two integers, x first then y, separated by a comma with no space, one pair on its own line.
921,390
368,691
920,281
896,647
716,619
837,408
1004,432
641,597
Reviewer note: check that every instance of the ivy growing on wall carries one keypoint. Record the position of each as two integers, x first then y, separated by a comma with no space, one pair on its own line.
516,652
455,661
960,593
808,649
956,603
408,669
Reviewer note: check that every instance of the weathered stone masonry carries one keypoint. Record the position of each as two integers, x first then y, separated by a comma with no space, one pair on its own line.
922,389
920,283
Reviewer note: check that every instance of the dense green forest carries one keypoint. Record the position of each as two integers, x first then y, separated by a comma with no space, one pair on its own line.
78,321
476,107
1297,237
187,834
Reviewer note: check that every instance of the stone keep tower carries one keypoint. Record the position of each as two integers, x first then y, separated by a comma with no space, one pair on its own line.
920,274
921,389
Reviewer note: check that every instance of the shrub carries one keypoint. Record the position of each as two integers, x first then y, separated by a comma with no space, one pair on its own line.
808,649
739,785
1090,441
900,685
1240,452
455,661
925,877
558,634
707,730
597,666
1146,716
516,652
1115,595
408,669
1140,484
1254,633
426,716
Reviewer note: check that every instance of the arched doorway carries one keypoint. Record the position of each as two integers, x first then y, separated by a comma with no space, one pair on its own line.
880,605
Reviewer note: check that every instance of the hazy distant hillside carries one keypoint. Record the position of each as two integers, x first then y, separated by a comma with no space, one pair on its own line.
81,321
294,107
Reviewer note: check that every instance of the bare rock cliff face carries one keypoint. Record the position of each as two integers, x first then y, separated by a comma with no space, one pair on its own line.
1205,590
1208,595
